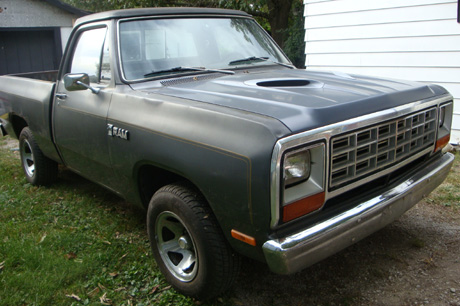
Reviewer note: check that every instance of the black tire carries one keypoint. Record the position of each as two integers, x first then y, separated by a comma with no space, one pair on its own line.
39,169
188,244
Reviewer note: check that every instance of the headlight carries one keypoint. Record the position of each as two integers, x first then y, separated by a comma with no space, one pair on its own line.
296,167
303,181
444,125
442,116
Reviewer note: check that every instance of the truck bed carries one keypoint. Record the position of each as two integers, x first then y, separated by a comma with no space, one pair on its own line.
50,75
28,97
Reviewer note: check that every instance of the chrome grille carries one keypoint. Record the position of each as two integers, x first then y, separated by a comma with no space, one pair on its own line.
366,151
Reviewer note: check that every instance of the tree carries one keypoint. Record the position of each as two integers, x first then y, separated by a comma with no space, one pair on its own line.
278,17
294,39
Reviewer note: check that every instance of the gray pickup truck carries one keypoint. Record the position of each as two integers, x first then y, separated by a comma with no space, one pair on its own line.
197,116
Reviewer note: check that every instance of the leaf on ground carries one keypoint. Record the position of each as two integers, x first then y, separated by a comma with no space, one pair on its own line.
154,289
70,255
429,261
120,289
41,239
75,297
94,292
165,288
113,274
104,300
2,265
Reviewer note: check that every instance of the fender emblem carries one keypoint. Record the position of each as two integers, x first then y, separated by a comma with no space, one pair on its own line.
117,132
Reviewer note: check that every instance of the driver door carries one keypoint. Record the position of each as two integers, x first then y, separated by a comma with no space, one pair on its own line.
80,127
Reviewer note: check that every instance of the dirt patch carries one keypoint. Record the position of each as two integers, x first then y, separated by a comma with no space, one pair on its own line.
413,261
9,143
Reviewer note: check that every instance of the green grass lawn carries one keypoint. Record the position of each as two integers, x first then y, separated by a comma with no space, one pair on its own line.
448,194
73,244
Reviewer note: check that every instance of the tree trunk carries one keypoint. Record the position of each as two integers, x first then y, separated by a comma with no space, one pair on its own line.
278,17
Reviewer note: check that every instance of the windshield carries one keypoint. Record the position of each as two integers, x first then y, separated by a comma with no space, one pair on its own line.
158,47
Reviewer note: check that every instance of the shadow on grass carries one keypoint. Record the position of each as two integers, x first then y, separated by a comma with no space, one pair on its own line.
111,202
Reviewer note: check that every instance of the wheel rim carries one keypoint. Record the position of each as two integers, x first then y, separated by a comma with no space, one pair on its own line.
176,246
27,157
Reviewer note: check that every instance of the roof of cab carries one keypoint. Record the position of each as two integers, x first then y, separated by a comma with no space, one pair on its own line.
161,11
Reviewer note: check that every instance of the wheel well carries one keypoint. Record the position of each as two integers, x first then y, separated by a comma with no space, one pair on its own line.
18,124
151,178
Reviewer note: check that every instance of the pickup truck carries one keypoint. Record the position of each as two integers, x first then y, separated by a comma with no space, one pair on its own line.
197,116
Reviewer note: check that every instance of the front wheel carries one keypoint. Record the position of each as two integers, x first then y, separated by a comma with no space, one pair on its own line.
187,243
39,169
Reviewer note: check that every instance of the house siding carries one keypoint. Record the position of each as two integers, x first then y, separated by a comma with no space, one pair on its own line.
33,34
33,13
36,14
401,39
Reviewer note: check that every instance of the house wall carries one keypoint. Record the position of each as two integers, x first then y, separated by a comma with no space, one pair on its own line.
402,39
35,13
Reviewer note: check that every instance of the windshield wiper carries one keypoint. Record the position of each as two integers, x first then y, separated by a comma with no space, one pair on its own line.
259,59
183,69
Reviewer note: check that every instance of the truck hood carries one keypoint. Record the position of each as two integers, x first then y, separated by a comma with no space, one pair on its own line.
300,99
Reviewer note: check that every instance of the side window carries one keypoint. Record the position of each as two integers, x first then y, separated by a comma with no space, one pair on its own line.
106,73
91,56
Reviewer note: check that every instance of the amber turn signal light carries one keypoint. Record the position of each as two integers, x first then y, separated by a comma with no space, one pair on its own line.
303,206
442,142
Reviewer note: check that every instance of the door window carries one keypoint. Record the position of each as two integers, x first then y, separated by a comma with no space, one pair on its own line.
91,56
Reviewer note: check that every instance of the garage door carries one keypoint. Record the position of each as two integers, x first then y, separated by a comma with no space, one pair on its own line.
29,50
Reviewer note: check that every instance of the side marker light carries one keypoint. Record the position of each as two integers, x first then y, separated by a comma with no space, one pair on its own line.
243,237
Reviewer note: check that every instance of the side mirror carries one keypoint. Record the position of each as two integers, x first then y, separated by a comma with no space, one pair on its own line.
78,81
70,81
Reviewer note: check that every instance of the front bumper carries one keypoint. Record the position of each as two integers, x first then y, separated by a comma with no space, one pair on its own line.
303,249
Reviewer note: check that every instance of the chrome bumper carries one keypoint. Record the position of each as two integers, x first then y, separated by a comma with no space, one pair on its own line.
2,130
303,249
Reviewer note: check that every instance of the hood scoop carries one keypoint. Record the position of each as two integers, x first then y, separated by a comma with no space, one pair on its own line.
285,82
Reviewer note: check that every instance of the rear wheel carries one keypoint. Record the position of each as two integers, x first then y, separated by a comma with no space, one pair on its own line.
187,243
39,169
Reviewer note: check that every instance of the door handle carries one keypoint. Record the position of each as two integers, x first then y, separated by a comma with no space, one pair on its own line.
61,96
